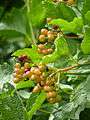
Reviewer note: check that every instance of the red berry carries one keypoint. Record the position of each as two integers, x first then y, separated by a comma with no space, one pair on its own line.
23,58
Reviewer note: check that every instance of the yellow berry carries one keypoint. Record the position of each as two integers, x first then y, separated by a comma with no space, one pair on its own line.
17,65
51,94
42,38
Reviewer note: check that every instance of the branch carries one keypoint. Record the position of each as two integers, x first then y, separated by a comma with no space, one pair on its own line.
69,68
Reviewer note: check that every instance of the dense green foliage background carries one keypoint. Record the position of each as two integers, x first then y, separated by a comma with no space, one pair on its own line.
20,23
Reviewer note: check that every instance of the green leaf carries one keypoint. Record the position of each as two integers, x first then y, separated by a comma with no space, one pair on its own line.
66,88
85,46
59,11
37,12
11,107
5,73
87,18
86,6
30,52
61,49
75,26
78,102
14,24
24,84
40,99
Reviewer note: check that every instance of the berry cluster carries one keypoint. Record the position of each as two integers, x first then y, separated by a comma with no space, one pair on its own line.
25,70
49,87
47,35
38,73
43,50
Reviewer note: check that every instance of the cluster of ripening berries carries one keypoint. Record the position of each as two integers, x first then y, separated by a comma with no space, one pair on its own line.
47,36
23,72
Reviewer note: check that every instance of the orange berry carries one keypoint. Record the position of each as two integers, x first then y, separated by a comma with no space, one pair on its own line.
42,38
44,31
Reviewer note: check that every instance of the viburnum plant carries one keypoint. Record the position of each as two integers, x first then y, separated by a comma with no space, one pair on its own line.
49,78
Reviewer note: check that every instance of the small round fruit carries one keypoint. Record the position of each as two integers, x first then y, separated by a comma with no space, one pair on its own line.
36,89
22,69
44,31
45,52
50,37
37,71
41,46
33,77
51,94
47,88
42,38
17,70
26,65
52,100
17,65
16,80
50,50
42,83
41,67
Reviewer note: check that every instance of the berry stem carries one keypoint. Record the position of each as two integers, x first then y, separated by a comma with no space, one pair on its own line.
69,68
